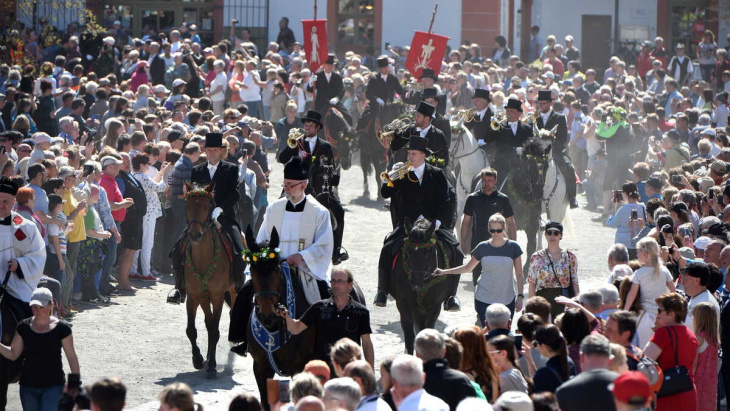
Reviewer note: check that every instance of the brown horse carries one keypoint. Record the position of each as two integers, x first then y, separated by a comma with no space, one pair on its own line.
207,272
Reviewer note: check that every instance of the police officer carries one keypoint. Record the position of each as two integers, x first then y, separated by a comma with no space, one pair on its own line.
548,119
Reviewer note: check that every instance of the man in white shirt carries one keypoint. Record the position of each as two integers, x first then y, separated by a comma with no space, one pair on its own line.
407,376
218,86
695,278
251,90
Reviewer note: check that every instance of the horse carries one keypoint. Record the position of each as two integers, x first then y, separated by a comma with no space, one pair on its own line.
340,134
373,151
418,294
207,272
273,287
465,153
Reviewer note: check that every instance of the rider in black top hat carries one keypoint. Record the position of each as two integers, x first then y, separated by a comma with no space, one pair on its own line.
382,86
422,127
328,87
480,125
512,133
430,96
548,119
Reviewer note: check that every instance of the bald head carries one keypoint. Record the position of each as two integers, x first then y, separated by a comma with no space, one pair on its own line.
725,258
310,403
712,252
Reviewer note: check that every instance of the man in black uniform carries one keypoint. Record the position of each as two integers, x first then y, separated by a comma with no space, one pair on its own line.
547,120
422,127
328,87
319,159
423,192
428,81
512,133
480,126
381,90
430,96
224,177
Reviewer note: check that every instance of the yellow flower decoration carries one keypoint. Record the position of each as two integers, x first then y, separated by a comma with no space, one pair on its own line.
271,256
255,258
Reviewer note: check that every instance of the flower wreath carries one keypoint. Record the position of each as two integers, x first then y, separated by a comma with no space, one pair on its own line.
265,254
436,161
198,193
428,244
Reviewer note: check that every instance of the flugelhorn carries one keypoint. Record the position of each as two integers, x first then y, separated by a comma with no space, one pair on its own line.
398,125
466,116
532,118
397,173
295,135
496,123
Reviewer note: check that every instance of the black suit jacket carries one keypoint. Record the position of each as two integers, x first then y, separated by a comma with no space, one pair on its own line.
157,70
443,124
505,138
323,154
482,129
415,98
225,187
430,198
436,141
561,136
326,91
385,90
444,382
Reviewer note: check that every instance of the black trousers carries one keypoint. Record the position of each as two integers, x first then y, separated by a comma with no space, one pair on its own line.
568,171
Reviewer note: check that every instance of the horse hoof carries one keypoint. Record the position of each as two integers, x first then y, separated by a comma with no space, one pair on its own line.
198,362
211,374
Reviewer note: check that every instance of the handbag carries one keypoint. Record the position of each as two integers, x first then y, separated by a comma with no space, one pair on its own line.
565,291
676,380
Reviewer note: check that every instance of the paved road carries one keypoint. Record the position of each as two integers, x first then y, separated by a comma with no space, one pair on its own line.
141,339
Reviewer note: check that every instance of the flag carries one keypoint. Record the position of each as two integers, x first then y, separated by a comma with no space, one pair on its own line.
427,50
315,42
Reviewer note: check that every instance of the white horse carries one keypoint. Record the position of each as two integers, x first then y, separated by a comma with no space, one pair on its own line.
465,152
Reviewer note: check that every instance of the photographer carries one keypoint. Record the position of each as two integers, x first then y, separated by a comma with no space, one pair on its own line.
626,219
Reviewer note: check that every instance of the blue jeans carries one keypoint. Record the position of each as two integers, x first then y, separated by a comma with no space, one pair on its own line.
481,308
255,109
40,399
110,257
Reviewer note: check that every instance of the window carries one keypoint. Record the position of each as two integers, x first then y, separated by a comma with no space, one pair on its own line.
356,22
688,26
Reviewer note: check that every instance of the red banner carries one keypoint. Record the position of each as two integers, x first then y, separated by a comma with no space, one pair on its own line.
427,50
315,42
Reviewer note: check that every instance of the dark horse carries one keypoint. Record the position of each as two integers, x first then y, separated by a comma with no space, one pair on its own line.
207,272
418,294
270,291
10,316
339,133
374,152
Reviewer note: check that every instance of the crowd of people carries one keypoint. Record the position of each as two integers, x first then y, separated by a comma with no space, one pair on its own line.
96,151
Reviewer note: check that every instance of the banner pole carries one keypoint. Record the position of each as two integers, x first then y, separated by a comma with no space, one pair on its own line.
315,9
433,16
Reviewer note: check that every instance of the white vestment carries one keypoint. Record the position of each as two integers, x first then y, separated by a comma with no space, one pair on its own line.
22,241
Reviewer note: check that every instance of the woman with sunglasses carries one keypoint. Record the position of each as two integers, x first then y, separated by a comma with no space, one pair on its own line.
501,260
553,271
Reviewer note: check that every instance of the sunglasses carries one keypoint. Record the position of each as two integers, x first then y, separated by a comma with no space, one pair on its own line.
498,230
551,233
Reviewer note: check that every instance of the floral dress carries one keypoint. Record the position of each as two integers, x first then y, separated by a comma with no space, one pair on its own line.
550,277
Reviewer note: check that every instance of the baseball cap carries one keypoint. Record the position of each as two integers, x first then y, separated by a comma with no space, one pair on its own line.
631,387
178,82
701,242
117,23
109,160
568,38
41,297
709,131
595,344
41,137
719,167
549,74
716,229
160,88
514,401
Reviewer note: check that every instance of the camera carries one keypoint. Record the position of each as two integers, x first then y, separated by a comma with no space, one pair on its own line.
617,196
711,194
676,179
634,214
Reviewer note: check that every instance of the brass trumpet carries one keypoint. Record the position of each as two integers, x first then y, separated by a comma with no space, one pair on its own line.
496,123
398,125
532,118
295,135
396,174
466,116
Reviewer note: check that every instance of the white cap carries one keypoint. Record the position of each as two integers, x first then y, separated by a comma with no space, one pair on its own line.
178,82
160,88
709,131
41,297
514,401
41,137
109,160
117,23
109,40
702,242
568,38
549,74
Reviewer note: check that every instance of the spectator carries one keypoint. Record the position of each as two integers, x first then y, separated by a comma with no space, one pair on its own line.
527,324
341,393
408,390
386,382
342,353
620,328
476,362
623,219
245,402
498,321
178,396
559,367
310,403
574,326
108,394
514,400
705,326
631,392
362,373
695,277
609,300
502,350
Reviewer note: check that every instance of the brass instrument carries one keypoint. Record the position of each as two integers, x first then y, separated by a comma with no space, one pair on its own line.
496,123
396,174
398,125
532,118
412,85
295,135
466,116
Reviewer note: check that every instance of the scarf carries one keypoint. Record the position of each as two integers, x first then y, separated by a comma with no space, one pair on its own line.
35,217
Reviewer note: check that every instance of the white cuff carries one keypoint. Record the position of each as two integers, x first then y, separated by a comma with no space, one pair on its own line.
481,142
216,213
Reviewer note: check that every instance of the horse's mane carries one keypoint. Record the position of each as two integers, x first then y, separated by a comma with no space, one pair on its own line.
419,233
533,147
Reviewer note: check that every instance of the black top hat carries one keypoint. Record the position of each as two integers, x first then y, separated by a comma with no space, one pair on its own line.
418,143
426,109
8,186
313,116
295,169
514,104
330,59
429,73
213,140
429,93
481,93
544,95
383,61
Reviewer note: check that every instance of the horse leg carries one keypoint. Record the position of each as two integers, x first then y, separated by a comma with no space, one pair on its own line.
365,166
262,372
192,307
533,225
212,321
406,323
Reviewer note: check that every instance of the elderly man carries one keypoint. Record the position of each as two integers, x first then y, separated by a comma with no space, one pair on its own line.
69,129
618,260
341,393
407,376
309,403
620,329
442,381
610,300
694,279
499,320
590,388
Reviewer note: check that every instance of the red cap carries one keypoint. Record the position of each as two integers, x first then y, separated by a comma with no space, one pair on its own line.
631,385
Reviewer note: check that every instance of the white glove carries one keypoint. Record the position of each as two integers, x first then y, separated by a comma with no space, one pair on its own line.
89,57
380,101
216,213
438,223
519,151
334,101
481,142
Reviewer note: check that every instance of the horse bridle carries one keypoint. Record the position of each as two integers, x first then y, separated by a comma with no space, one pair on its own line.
269,293
208,221
427,271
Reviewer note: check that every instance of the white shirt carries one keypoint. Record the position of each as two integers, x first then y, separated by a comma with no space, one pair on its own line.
481,114
328,76
690,68
418,171
513,125
545,116
312,142
221,81
423,131
253,92
703,297
420,400
212,168
373,403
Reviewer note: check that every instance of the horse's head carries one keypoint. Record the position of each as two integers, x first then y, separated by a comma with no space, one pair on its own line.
544,136
420,250
341,135
266,277
199,203
461,140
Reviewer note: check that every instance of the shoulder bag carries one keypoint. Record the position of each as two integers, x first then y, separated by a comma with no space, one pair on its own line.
566,291
676,380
